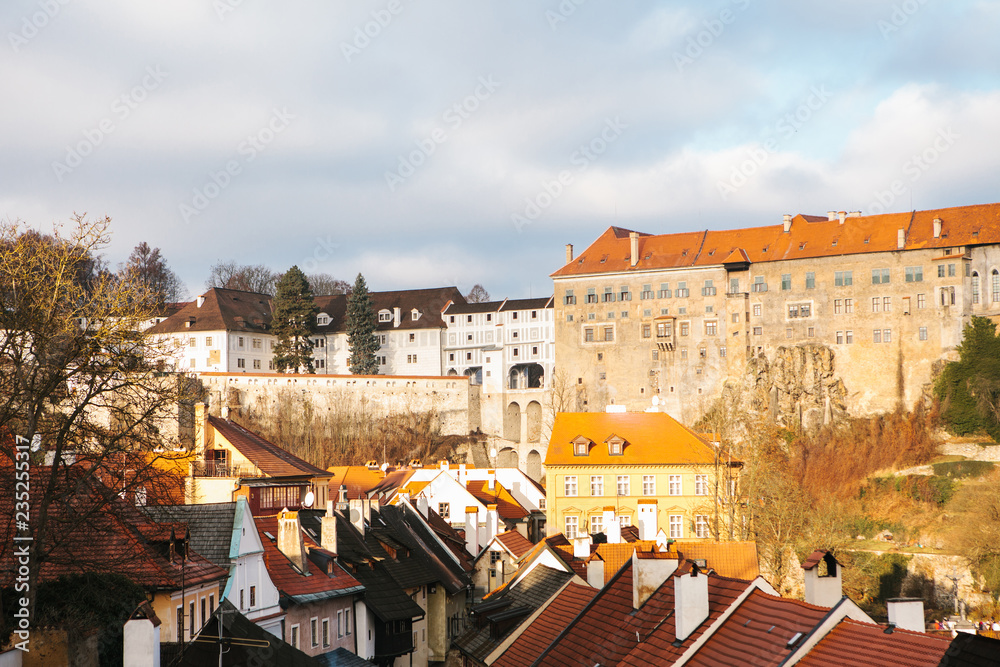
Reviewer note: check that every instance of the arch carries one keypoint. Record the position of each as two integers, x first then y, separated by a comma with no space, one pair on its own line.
512,423
534,411
526,376
475,374
452,371
975,287
534,467
995,285
507,458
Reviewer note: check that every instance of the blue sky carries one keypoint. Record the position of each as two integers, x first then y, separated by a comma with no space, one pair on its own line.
430,143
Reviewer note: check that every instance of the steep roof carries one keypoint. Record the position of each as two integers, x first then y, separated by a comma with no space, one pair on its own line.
210,525
357,479
729,559
515,543
272,460
526,304
222,309
652,438
537,636
507,505
438,563
808,237
854,643
429,302
472,308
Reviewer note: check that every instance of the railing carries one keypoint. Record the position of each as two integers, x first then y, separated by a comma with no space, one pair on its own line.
221,469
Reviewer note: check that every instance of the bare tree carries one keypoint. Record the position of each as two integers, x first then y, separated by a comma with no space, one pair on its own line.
477,294
247,277
148,266
323,284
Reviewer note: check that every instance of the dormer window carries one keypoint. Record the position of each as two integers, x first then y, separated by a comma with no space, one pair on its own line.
581,446
384,316
616,445
322,319
414,314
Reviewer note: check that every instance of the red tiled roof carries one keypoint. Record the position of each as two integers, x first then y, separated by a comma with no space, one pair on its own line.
808,237
272,460
515,542
507,505
758,631
288,579
729,559
358,480
862,644
537,636
651,438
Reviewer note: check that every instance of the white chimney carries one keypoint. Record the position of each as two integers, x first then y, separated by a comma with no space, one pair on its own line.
612,528
907,613
854,214
581,546
649,571
633,238
937,228
359,513
647,519
595,571
328,529
569,253
492,521
786,222
901,239
200,300
824,590
831,215
422,506
690,602
843,216
472,530
342,494
443,463
395,317
141,640
290,540
461,474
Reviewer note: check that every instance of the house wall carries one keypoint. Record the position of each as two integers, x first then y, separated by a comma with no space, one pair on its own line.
165,604
328,610
249,571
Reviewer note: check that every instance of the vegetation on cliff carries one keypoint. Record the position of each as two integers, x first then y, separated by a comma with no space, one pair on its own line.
969,389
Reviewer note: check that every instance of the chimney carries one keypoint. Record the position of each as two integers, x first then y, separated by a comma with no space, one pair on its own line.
290,540
901,239
491,480
200,300
831,215
472,529
359,513
342,494
647,519
569,253
443,463
822,579
395,317
581,546
633,238
907,613
843,216
141,640
937,228
595,571
200,424
492,523
786,222
423,506
649,571
462,477
690,602
612,528
854,214
328,529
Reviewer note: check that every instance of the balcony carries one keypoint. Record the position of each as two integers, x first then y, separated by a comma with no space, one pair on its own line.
221,469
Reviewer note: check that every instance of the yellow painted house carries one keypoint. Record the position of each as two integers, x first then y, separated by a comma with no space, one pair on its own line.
651,470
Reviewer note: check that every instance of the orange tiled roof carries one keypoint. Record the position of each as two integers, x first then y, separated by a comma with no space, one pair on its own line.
808,237
507,505
730,559
357,479
515,542
850,640
536,638
652,438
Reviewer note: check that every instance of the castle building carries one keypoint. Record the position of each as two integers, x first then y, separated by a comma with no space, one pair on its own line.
829,311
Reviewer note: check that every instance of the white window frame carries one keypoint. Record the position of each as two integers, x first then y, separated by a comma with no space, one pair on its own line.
571,526
674,485
676,523
597,485
623,485
570,486
701,485
649,485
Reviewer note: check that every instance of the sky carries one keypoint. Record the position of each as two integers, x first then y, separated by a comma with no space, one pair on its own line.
427,143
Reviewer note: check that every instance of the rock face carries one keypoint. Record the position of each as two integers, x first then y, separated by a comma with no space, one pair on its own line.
802,384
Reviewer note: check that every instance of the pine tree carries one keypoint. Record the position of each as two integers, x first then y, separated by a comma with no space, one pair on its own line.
361,339
294,323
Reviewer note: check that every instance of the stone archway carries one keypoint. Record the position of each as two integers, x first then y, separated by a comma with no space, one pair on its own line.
507,458
534,411
534,465
512,423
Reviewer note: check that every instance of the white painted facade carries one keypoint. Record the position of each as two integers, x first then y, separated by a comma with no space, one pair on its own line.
248,572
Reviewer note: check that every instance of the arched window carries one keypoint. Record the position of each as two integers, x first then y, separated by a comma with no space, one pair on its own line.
995,287
975,287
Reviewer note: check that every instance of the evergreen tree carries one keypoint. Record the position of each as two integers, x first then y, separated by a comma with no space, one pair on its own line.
361,339
969,388
294,323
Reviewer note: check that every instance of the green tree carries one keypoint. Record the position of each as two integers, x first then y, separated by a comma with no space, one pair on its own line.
969,388
361,339
294,323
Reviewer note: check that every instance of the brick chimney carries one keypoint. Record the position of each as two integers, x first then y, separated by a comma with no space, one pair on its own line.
328,529
633,238
290,540
690,602
649,570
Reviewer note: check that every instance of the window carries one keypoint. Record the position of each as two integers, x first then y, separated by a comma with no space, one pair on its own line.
886,304
253,597
192,342
381,360
786,281
947,296
204,616
734,285
682,291
257,343
886,335
708,289
848,337
646,331
609,334
179,628
323,319
880,276
609,294
240,363
596,524
914,274
921,301
597,485
622,488
191,616
876,304
625,294
646,293
810,280
840,338
849,306
347,622
736,318
588,334
843,278
664,292
256,364
674,485
975,288
411,358
624,521
676,526
569,299
877,336
700,525
923,333
239,341
591,295
756,310
295,636
701,485
211,602
685,328
208,341
995,285
722,351
663,329
569,485
649,485
326,629
758,331
711,328
444,509
758,284
313,633
951,270
572,523
413,338
838,306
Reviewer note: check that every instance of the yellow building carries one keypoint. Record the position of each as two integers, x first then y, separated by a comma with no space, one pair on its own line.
646,469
